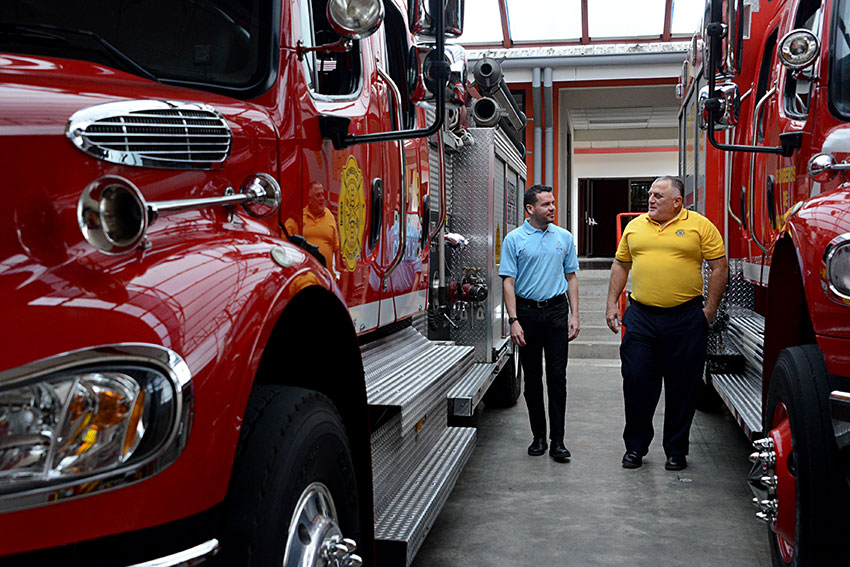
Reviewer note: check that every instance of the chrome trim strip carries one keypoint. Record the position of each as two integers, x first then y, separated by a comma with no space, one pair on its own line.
165,360
194,135
197,555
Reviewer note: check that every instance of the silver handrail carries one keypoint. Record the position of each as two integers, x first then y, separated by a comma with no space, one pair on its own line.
751,197
402,197
729,177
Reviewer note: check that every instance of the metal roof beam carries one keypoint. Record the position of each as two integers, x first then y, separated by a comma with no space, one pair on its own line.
668,20
507,42
585,29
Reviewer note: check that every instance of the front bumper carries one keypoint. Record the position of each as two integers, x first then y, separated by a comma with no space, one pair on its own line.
193,557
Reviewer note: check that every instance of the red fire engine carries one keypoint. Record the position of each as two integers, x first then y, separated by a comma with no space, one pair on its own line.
230,235
764,147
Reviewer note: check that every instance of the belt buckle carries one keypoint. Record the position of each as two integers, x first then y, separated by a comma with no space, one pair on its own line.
541,303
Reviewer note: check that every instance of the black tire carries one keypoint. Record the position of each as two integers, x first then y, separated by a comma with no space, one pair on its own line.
292,446
800,381
505,389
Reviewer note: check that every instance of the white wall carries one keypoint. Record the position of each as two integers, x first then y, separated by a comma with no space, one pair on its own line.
638,164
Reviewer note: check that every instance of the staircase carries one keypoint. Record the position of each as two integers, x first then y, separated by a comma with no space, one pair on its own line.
416,457
595,339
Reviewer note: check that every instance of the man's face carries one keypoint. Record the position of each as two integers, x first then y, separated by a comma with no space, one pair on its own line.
664,201
316,198
543,211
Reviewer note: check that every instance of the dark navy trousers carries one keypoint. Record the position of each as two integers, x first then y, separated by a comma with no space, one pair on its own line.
662,345
546,331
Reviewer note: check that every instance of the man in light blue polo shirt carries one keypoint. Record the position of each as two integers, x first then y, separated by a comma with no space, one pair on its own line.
538,268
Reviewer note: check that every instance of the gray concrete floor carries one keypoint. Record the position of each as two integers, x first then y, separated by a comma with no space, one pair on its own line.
509,509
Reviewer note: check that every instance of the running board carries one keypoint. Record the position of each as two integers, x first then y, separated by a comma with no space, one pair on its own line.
742,395
407,371
468,392
406,521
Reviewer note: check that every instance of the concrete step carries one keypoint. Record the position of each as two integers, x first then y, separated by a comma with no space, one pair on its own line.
589,306
402,526
594,349
591,331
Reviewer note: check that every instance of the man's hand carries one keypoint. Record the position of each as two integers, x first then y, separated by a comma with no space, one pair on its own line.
517,334
575,327
612,317
710,314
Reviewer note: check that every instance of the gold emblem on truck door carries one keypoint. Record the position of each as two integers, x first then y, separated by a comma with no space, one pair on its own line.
352,213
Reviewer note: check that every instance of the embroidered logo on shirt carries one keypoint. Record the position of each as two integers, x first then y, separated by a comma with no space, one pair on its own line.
559,246
680,232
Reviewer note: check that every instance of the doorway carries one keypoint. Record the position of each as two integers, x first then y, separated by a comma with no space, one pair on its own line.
600,201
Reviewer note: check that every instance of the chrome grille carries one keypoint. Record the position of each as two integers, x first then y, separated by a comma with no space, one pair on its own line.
151,133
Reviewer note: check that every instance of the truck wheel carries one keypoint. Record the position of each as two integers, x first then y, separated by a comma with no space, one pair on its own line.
802,460
292,494
505,389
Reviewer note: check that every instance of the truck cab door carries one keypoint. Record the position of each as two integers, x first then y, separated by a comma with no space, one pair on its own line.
404,259
350,182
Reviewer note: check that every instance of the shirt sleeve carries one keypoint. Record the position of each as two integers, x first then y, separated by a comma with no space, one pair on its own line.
623,253
571,257
711,243
507,263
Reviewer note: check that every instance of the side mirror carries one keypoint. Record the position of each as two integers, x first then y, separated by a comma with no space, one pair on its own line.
355,19
421,21
726,116
724,33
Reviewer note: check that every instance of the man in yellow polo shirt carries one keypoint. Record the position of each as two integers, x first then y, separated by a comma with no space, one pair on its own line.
666,324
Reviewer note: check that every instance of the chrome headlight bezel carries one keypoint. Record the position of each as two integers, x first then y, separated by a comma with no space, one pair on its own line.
836,259
131,357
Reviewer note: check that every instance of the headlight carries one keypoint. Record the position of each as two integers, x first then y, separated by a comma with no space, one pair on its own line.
94,419
837,260
355,19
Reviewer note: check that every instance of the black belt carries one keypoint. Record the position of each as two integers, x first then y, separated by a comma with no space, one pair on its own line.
543,303
694,301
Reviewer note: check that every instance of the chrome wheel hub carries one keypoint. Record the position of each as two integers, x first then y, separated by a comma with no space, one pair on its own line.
314,538
763,480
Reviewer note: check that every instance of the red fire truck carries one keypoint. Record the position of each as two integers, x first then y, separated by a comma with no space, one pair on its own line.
764,147
241,297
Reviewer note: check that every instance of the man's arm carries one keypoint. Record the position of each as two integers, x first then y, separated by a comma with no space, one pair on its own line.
508,284
616,285
572,296
716,286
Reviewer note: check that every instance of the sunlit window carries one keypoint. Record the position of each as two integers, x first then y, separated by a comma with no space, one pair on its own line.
545,20
625,18
482,22
686,16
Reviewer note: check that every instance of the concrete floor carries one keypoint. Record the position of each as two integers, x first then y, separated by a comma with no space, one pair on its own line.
509,509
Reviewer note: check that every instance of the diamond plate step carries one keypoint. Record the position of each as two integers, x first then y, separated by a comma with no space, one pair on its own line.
403,525
742,394
408,371
465,396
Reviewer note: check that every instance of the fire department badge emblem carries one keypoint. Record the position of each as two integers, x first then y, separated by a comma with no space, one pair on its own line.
680,232
352,213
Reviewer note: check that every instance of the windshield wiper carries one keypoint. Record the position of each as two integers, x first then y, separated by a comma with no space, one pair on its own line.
56,33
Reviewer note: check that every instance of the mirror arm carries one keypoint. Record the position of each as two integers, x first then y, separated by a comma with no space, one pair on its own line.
440,72
716,29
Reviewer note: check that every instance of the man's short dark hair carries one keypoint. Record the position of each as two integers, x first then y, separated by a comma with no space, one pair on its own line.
532,192
675,183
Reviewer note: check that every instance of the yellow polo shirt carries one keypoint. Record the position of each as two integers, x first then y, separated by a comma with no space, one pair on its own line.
667,261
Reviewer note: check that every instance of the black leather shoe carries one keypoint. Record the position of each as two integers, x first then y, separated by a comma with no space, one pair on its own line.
676,463
537,447
631,460
559,452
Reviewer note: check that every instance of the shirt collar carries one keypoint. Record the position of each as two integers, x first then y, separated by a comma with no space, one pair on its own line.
529,228
683,215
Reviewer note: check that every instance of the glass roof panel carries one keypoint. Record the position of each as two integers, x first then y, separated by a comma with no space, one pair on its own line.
625,18
544,20
482,22
686,16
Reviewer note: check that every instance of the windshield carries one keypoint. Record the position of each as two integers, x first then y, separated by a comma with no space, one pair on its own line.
839,81
220,45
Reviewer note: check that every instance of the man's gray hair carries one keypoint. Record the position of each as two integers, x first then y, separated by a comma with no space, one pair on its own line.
675,183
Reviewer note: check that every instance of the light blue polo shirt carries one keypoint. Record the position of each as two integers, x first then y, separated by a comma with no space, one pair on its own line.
538,259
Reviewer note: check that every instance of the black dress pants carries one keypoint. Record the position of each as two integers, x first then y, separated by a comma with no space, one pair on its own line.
546,331
669,345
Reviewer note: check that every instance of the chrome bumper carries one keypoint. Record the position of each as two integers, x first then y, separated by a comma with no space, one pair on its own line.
839,408
193,557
